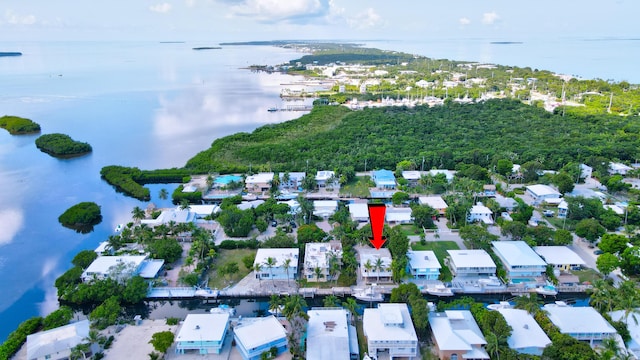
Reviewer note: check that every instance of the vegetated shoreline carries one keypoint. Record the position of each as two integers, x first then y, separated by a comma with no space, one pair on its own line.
10,53
16,125
62,146
207,48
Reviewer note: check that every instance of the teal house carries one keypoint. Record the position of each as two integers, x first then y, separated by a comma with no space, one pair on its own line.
202,334
255,336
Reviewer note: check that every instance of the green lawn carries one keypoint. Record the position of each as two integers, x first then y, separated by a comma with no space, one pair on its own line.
225,257
440,249
359,187
589,275
409,229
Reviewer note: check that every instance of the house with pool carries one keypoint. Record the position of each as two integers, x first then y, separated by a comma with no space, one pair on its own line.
522,264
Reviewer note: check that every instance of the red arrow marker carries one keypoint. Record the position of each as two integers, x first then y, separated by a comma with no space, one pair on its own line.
376,216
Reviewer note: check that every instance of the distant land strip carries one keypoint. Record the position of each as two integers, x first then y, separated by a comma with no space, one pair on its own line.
207,48
10,53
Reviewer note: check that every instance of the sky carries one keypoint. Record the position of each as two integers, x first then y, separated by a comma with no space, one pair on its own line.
245,20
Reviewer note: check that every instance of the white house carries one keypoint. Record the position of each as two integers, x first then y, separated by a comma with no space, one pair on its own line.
254,336
471,263
435,202
57,343
323,178
359,212
563,209
522,264
329,335
122,267
384,179
479,212
560,257
585,171
506,202
423,265
412,177
527,337
175,215
619,169
295,180
389,329
633,326
321,256
396,215
202,333
540,192
375,265
246,205
259,182
278,258
581,323
324,208
447,173
457,335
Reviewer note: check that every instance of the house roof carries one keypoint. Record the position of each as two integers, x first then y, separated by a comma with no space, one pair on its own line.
506,202
480,209
359,210
259,178
398,214
176,215
447,173
456,330
297,176
411,175
279,255
203,327
517,253
324,207
254,332
317,254
576,319
327,334
103,264
423,259
324,175
436,202
471,258
384,177
55,340
526,331
150,268
632,325
559,255
543,190
399,325
372,255
204,210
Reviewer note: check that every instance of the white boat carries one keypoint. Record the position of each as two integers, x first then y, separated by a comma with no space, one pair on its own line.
222,309
491,281
500,305
547,290
368,294
439,290
119,228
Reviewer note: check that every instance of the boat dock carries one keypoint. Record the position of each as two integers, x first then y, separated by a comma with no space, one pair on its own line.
292,108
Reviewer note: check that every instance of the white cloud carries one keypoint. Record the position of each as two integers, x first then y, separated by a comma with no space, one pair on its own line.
464,21
17,19
365,20
11,221
161,8
275,10
490,18
190,3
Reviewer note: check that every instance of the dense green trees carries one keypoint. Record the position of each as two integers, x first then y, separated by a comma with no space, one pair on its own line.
130,180
19,336
84,258
167,248
62,145
81,217
162,341
16,125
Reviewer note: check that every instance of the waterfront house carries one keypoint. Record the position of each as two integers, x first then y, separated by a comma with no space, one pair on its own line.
389,330
479,212
457,335
294,183
175,215
412,177
632,321
359,212
329,335
202,333
581,323
321,256
375,265
435,202
423,265
448,174
259,182
489,190
278,270
58,342
324,208
471,263
384,179
246,205
540,192
560,257
619,168
326,178
396,215
527,337
522,264
122,267
254,336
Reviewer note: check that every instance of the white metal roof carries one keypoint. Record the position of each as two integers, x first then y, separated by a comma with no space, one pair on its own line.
526,331
471,258
455,330
517,253
576,319
423,259
435,202
324,175
203,327
374,323
543,190
318,254
327,334
55,340
279,255
559,255
103,264
480,209
254,332
259,178
150,268
411,175
398,214
359,210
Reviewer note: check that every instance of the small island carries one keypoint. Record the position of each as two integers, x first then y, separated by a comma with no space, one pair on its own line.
18,126
81,217
61,145
207,48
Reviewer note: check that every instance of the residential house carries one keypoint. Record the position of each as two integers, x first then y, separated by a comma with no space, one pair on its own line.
325,178
122,267
412,177
506,203
384,179
329,335
585,171
633,325
479,212
619,169
324,208
561,258
423,265
294,183
448,174
489,190
254,336
321,256
57,343
246,205
396,215
527,337
202,333
540,192
435,202
457,335
563,209
259,182
471,263
277,271
175,215
375,265
389,330
522,264
581,323
359,212
294,206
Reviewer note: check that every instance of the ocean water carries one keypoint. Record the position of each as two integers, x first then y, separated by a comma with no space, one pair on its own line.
155,105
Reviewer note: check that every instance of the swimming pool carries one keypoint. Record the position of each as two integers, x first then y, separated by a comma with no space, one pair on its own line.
226,179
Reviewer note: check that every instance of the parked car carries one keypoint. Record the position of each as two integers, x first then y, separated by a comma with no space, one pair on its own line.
598,252
548,213
274,223
293,224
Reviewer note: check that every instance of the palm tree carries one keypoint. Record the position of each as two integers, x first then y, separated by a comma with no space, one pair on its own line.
306,208
274,303
257,268
294,306
628,299
163,194
529,302
334,267
275,183
184,204
368,266
330,301
138,214
352,306
318,272
79,351
286,177
379,266
286,263
270,263
493,346
602,296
